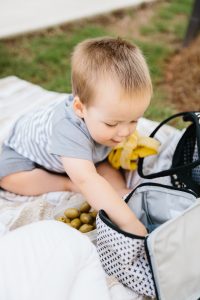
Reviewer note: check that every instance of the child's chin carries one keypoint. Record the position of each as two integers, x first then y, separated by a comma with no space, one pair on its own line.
109,143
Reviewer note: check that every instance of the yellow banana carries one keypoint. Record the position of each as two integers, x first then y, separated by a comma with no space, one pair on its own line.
125,154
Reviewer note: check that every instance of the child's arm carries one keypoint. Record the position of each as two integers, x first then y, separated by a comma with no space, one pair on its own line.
100,194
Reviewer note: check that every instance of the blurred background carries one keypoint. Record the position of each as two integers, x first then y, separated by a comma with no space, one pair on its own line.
40,52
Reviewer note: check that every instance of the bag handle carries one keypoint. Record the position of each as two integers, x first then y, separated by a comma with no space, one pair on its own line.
187,116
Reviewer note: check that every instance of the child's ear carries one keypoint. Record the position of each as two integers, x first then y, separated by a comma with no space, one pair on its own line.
78,107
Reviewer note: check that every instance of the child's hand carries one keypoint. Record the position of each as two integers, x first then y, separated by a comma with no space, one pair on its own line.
100,194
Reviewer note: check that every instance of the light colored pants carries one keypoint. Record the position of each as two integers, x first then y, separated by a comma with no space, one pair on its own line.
49,260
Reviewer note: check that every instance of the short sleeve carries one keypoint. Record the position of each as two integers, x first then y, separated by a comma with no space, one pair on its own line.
69,140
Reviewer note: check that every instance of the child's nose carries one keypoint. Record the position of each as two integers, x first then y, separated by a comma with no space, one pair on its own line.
124,131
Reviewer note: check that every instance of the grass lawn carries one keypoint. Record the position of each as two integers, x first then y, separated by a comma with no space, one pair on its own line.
44,57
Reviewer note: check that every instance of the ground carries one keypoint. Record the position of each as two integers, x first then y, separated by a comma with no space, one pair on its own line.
158,28
182,78
182,70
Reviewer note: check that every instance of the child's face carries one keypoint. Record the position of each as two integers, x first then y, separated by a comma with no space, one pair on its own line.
112,117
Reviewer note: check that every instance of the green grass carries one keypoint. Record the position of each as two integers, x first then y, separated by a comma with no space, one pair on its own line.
44,58
168,24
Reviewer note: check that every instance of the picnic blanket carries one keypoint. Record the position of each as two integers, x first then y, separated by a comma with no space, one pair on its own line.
18,97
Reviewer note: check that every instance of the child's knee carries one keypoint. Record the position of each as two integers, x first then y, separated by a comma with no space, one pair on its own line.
9,182
6,181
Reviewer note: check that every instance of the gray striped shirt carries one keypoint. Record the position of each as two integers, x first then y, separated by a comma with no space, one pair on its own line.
53,131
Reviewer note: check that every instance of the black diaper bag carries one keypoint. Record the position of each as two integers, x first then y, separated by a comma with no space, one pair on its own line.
165,264
185,165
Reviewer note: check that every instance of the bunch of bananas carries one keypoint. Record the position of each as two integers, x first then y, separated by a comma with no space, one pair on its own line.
126,154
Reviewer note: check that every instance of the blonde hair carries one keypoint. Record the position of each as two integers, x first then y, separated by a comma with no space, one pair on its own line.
107,56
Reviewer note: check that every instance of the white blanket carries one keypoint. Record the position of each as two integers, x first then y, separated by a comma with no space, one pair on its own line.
18,97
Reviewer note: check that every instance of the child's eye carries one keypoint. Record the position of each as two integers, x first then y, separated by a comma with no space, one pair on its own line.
110,125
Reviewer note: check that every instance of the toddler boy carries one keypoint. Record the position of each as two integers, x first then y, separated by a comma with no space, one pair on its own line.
111,90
